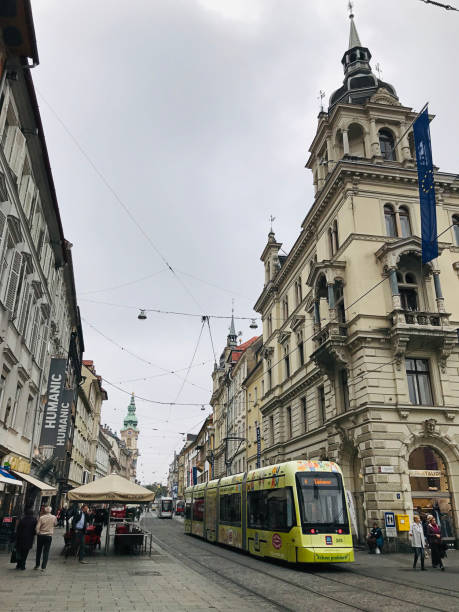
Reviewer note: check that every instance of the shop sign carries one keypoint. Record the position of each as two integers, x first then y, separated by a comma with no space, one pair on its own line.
426,473
56,381
386,469
19,464
64,422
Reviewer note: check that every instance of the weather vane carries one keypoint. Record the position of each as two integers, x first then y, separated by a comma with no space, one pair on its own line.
350,6
379,71
271,220
321,97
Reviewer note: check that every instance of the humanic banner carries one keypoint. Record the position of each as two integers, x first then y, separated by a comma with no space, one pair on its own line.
56,382
63,423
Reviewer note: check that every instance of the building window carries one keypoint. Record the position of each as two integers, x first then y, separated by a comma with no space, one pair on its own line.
269,373
343,381
287,361
300,349
289,423
321,399
456,228
335,235
386,143
417,372
298,291
389,216
271,428
330,242
285,308
270,324
339,302
405,224
408,290
304,414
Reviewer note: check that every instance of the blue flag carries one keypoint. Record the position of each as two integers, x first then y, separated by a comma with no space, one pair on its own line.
426,187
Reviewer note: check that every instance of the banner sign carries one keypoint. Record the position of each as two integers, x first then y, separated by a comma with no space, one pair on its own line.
195,475
56,382
64,420
258,447
426,183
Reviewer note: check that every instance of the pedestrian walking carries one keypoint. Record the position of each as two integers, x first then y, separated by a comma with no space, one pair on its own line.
418,541
434,535
25,533
79,524
44,529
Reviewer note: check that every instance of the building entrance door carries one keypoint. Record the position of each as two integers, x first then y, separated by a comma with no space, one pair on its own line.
430,490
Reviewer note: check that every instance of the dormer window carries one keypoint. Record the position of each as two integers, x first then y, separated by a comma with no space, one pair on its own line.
456,228
386,144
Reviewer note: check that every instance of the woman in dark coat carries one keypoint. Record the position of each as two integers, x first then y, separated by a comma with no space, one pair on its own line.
25,534
434,535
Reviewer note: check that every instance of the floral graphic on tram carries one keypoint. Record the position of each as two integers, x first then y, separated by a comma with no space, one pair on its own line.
275,478
276,541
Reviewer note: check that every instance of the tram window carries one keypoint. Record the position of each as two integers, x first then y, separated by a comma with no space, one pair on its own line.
230,508
321,498
272,510
198,509
188,510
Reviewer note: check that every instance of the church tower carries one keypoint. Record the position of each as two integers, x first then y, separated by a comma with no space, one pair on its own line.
130,434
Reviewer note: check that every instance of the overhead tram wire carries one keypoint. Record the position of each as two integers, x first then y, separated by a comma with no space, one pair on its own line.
447,7
127,284
118,199
142,359
189,367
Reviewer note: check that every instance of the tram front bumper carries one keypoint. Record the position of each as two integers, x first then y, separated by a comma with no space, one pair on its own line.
324,555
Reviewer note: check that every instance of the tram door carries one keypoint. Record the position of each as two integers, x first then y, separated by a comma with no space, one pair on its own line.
211,514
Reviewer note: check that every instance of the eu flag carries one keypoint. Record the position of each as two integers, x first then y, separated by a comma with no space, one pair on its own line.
426,187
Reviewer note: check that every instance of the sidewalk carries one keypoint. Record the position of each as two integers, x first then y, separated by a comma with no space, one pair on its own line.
110,583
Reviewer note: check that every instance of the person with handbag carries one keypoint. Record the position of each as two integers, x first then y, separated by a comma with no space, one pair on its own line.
418,542
434,535
25,533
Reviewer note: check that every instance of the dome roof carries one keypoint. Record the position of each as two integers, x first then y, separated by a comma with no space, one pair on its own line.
130,422
359,81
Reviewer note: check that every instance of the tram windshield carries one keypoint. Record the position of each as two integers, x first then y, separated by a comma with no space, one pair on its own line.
166,505
322,503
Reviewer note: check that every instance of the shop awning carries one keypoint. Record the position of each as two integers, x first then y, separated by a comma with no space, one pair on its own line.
44,487
10,480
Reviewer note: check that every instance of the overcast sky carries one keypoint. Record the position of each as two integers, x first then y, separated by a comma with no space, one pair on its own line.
199,114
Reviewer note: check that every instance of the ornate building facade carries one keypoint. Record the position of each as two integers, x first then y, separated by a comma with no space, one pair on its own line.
360,350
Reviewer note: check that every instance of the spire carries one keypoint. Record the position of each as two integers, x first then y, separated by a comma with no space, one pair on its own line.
131,419
354,40
232,336
359,81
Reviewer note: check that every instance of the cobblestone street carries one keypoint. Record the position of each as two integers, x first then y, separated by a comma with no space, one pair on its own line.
185,573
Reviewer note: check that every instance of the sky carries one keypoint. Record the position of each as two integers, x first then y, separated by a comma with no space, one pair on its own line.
175,129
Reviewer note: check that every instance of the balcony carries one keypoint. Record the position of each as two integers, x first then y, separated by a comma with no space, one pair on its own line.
330,343
415,330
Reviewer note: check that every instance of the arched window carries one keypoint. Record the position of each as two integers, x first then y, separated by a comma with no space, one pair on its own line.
386,143
405,224
408,289
456,228
339,302
389,216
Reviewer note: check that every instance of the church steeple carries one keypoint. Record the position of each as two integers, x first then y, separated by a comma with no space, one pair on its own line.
360,83
131,419
232,336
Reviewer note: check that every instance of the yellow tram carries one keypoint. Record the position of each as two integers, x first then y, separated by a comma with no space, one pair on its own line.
295,511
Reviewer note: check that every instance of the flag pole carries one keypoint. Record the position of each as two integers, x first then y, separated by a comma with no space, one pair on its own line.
410,126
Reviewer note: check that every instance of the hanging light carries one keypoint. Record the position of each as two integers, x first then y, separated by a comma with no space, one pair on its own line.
253,324
142,316
203,407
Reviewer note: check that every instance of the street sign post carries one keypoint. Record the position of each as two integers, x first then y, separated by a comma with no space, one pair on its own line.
389,521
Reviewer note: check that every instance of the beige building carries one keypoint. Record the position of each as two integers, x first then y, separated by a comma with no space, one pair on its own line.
91,394
360,346
253,416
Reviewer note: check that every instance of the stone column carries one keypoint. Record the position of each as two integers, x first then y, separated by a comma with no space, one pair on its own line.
438,292
404,144
331,302
375,149
396,304
345,143
330,152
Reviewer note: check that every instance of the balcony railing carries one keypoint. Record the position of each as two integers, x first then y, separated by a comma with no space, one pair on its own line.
330,330
420,318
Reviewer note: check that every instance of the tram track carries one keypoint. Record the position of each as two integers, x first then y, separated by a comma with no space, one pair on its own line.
407,601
